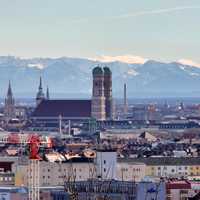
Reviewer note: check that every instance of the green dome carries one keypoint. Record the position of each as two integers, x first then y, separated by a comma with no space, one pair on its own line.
107,70
97,71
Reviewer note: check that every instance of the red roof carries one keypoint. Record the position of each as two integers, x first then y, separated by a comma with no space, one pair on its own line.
178,185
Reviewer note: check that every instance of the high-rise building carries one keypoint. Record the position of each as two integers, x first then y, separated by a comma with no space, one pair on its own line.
40,95
9,109
98,99
108,92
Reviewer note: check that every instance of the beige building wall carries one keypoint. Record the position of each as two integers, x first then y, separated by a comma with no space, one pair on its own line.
54,174
167,170
130,171
194,170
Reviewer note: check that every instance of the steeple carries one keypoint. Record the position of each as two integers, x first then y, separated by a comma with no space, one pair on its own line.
9,109
40,95
47,94
9,93
40,85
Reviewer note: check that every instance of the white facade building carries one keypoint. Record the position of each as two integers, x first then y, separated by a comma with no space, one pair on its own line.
106,164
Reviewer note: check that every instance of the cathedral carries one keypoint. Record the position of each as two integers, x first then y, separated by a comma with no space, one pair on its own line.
99,107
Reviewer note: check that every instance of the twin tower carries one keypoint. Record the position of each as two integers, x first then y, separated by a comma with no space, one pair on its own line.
102,102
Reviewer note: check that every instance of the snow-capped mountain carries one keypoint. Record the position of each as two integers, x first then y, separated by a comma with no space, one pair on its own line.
72,77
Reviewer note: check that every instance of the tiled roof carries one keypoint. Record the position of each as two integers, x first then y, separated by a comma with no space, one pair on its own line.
155,161
65,108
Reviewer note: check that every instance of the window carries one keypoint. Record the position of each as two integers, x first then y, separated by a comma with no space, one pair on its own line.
104,161
104,169
173,170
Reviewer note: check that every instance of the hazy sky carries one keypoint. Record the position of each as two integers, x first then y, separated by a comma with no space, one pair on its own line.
166,30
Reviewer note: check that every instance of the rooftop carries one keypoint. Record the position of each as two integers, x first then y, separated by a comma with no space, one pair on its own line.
154,161
64,108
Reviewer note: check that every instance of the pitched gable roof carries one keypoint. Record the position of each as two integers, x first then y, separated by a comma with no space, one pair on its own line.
65,108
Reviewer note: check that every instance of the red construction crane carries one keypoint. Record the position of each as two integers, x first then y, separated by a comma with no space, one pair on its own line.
34,147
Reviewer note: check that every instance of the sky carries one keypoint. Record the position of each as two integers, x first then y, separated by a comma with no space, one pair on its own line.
130,30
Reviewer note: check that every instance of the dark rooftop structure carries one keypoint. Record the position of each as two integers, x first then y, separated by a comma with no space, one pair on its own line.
97,71
164,160
65,108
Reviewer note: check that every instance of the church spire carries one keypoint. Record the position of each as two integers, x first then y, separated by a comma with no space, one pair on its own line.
40,85
40,95
9,109
9,93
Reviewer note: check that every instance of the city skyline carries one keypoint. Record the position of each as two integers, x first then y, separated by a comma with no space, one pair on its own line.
99,100
130,32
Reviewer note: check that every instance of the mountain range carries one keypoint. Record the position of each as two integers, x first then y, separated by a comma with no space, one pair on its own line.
72,77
